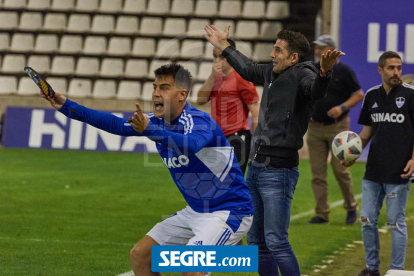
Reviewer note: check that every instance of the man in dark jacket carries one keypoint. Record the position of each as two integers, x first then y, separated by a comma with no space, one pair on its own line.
291,88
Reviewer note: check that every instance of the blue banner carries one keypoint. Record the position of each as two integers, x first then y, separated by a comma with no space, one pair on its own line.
50,129
368,29
206,258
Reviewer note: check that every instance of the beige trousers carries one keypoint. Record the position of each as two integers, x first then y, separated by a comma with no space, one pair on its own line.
319,141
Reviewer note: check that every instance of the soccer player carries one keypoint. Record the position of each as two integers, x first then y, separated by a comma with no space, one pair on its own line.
291,88
201,162
231,98
387,116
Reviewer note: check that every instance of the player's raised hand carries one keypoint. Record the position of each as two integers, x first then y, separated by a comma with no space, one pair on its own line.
57,101
329,59
216,37
140,120
409,169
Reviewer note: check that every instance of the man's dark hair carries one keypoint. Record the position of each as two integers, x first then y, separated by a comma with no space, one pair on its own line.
231,42
297,43
385,56
182,77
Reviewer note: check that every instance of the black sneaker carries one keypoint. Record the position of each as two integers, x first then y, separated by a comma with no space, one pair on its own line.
351,217
367,272
318,220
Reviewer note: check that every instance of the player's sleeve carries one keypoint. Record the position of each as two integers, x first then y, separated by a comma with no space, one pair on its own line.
197,135
364,116
352,81
248,91
245,67
313,86
98,119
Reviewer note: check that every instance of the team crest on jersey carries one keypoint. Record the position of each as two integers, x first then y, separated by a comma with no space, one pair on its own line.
400,101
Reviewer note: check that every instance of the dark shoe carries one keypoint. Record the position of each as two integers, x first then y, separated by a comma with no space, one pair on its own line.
351,217
367,272
318,220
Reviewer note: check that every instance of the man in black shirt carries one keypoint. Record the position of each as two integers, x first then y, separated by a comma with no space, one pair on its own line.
387,116
329,118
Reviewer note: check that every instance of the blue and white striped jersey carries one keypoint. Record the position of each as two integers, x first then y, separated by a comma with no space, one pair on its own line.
193,147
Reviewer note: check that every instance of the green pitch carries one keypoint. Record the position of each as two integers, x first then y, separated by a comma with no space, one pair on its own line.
80,213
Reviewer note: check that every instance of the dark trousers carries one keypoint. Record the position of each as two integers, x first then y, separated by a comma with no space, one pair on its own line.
240,141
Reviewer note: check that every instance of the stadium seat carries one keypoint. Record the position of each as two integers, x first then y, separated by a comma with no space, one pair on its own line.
259,90
8,85
87,66
70,44
136,68
88,6
14,4
134,6
277,10
143,47
63,65
8,20
167,48
192,48
245,48
208,52
253,9
269,30
230,8
13,63
79,23
151,26
27,87
112,6
95,45
204,70
38,4
191,66
30,21
247,29
40,63
103,24
158,7
262,51
63,5
221,25
196,27
55,22
112,67
174,27
127,25
192,97
104,89
119,46
46,43
80,88
129,90
59,84
205,8
155,64
147,90
182,7
4,41
22,42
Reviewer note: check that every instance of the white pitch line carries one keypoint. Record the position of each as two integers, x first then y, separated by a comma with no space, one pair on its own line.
311,212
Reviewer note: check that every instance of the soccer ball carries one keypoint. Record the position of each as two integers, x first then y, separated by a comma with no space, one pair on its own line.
347,146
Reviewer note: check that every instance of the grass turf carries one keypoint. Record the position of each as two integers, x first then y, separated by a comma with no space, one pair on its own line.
79,213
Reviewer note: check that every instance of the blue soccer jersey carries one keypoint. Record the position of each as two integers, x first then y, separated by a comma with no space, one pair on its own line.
193,147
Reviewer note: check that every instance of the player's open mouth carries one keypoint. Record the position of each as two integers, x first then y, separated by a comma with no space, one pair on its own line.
158,106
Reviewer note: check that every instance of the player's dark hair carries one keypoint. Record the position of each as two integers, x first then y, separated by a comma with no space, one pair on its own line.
182,77
385,56
297,43
231,42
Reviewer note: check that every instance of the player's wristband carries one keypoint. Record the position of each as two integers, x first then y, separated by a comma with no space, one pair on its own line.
326,74
344,109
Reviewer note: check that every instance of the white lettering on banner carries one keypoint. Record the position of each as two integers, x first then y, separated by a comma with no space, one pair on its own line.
38,128
172,162
373,49
112,142
386,117
194,258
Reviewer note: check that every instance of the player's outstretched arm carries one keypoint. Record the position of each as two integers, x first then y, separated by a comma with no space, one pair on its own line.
56,102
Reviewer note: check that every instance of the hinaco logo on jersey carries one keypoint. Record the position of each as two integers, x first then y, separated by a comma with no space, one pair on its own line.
176,162
400,101
387,117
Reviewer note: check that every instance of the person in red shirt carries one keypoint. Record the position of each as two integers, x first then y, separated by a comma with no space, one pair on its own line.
231,98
